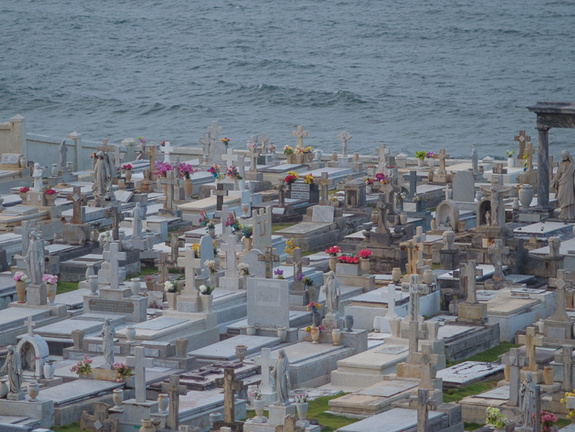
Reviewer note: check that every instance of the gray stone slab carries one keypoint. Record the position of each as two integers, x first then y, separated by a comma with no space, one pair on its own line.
123,195
226,349
395,420
78,390
468,371
392,349
463,186
304,228
268,302
159,323
388,388
322,214
500,393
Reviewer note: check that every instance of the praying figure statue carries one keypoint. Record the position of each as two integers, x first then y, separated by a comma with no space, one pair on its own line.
35,258
138,214
527,395
332,291
37,176
103,175
13,368
108,334
280,375
564,184
63,150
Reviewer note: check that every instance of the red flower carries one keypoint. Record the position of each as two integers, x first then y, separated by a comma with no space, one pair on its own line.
334,250
364,253
50,191
24,189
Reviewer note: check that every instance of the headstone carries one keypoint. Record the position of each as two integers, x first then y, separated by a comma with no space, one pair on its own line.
268,302
463,186
139,362
174,390
300,134
230,386
522,139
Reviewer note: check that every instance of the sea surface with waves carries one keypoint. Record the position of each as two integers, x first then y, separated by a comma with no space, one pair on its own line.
415,74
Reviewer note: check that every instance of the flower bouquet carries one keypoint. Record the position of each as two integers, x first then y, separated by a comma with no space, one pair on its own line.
170,287
196,248
313,306
215,171
50,279
25,189
333,250
248,231
291,177
162,168
83,367
288,150
185,170
243,269
233,173
233,223
50,191
211,266
255,394
206,289
364,253
348,259
308,179
20,277
127,167
431,155
122,371
226,141
279,273
420,154
496,418
301,397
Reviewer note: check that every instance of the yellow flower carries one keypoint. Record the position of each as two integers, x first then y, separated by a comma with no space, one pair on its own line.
289,246
196,249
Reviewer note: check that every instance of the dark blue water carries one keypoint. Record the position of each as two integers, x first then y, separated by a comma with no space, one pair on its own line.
413,74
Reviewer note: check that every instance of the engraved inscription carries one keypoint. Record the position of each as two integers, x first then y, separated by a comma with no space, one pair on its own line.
111,306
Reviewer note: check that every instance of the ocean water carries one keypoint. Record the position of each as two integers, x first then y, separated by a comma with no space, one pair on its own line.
415,74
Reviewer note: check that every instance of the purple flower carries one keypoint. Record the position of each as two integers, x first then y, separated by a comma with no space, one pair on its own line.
279,272
299,277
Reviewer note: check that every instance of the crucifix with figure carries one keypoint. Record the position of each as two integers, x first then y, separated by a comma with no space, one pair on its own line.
139,362
269,258
300,134
522,139
174,390
114,256
344,137
416,289
230,386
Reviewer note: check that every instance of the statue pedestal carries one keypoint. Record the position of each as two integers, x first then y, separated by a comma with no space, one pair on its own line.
36,295
16,396
278,413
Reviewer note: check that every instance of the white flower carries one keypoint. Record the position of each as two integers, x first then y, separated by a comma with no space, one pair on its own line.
168,286
243,269
203,289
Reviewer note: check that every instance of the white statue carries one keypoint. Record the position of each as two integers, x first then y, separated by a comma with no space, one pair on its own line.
280,374
37,176
564,184
138,214
63,150
103,175
527,396
35,259
13,368
108,334
332,291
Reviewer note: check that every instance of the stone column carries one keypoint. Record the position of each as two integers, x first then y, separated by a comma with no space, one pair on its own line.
543,168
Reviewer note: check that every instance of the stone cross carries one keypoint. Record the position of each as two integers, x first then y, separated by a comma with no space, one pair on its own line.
470,274
416,289
139,362
560,302
214,131
253,154
151,154
117,157
514,376
100,421
114,256
522,139
391,298
220,193
174,390
344,137
162,265
413,340
266,363
324,183
428,368
382,152
190,264
496,252
167,149
412,178
117,216
423,406
231,246
170,181
300,134
205,142
76,205
281,193
30,324
442,159
413,250
269,258
105,147
567,356
230,158
230,385
531,341
529,152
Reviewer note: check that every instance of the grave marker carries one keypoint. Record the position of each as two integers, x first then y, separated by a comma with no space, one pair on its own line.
174,390
139,362
114,256
230,386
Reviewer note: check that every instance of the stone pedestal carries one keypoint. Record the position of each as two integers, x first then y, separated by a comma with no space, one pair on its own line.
117,301
472,312
448,259
42,410
36,295
332,321
278,413
557,329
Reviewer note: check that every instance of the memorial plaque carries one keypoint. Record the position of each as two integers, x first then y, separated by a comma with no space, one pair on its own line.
111,306
268,302
10,159
300,191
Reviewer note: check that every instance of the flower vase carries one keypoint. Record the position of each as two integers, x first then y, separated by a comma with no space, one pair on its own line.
364,265
396,275
207,301
131,334
332,262
188,188
51,292
248,243
24,197
419,162
147,426
259,406
118,398
314,332
431,162
526,194
336,337
4,389
316,318
163,401
213,277
348,323
290,158
93,283
50,199
48,370
282,334
301,410
128,175
172,300
33,390
241,352
21,291
309,157
510,162
299,158
135,287
251,330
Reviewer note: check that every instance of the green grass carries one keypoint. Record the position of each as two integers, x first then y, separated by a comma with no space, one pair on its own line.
279,226
72,427
64,287
316,410
471,426
455,395
145,271
489,355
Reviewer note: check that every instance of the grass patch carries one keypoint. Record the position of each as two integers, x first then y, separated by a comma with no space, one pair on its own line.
279,226
316,410
64,287
72,427
146,271
471,426
489,355
455,395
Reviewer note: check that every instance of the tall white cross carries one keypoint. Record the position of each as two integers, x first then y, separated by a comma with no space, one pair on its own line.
391,297
266,363
416,289
382,152
229,158
114,256
167,149
139,362
231,246
30,324
190,264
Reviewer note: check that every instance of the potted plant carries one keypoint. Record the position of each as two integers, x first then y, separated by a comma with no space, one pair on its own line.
364,263
301,405
206,297
332,252
420,156
496,419
51,286
171,290
215,171
348,265
24,193
127,169
50,195
21,279
186,170
289,152
279,273
547,421
248,232
510,159
122,371
258,402
291,177
212,270
431,156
